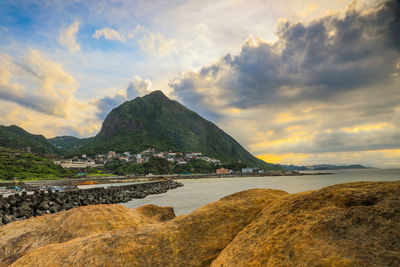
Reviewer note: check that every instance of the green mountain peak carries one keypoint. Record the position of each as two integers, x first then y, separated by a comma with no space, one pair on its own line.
156,121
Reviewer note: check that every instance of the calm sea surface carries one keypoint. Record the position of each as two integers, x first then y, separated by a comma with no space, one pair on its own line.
198,192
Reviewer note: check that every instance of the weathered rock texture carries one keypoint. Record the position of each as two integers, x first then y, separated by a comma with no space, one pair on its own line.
354,224
19,237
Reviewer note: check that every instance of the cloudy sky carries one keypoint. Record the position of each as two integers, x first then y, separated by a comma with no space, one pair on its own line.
300,82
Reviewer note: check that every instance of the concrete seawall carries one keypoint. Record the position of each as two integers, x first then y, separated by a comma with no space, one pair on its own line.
22,206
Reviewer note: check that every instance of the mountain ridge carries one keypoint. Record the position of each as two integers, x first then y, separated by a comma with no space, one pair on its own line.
321,167
15,137
67,143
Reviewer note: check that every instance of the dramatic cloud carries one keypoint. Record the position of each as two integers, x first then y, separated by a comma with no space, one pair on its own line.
38,95
138,87
109,34
288,96
315,61
321,82
36,83
68,37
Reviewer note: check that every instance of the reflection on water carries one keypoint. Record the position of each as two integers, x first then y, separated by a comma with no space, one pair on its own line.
198,192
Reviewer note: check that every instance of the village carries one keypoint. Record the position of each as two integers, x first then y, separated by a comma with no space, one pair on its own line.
100,160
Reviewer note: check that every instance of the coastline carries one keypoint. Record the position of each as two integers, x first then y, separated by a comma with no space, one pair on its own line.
344,224
132,178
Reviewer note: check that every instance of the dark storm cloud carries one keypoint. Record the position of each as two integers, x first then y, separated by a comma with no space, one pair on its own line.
38,103
317,61
106,104
138,87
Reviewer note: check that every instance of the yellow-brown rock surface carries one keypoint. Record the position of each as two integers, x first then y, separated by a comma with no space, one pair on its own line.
19,237
194,239
356,224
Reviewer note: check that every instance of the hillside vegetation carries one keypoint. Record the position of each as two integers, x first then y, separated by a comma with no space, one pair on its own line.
28,166
68,143
17,138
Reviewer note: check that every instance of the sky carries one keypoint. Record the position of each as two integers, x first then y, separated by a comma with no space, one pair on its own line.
295,82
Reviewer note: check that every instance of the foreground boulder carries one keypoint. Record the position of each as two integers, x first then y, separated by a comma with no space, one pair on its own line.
19,237
356,224
352,224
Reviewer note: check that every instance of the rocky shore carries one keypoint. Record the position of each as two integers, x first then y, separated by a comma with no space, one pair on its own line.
354,224
22,205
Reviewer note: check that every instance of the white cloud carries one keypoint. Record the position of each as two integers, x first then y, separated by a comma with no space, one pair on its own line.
157,44
37,83
68,37
139,87
133,33
154,43
109,34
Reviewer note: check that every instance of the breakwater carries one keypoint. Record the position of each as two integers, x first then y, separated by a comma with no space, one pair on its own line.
23,205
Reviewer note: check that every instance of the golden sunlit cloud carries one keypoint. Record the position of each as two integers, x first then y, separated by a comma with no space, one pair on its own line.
309,8
368,128
37,83
388,158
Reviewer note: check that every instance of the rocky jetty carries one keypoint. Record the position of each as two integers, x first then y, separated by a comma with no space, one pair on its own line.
353,224
22,206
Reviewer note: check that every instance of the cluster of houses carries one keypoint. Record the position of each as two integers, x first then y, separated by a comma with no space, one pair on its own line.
176,157
142,157
244,170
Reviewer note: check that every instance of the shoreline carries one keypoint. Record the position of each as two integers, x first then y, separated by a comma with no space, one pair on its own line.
131,178
21,206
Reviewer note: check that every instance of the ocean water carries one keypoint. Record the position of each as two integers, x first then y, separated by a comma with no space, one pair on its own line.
198,192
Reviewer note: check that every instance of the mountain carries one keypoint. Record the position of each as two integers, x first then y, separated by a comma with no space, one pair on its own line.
68,143
321,167
16,137
294,168
156,121
336,167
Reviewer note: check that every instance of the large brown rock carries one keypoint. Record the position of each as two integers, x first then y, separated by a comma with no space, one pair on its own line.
190,240
354,224
19,237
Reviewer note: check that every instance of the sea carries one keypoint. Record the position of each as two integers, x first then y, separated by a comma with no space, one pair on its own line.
199,192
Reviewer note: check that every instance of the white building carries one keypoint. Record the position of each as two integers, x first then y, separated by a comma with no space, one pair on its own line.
77,164
247,170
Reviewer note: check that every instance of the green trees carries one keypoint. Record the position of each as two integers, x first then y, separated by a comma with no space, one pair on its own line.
27,166
160,166
235,166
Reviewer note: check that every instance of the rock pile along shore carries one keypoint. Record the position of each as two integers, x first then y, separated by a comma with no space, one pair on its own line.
22,206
